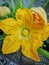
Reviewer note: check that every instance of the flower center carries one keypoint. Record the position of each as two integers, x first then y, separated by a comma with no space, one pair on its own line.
25,32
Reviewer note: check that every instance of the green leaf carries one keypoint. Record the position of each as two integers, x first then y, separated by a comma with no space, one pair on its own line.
43,52
30,4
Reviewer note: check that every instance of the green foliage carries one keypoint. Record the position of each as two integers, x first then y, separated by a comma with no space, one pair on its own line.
47,41
6,4
1,37
46,4
13,7
20,4
43,52
30,4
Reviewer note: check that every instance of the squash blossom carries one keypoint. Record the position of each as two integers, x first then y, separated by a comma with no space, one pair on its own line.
28,31
4,11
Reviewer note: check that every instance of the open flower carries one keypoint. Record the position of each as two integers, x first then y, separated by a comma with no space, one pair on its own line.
21,33
37,16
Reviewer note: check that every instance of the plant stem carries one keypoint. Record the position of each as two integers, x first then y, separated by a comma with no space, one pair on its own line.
31,3
46,4
13,6
43,52
20,4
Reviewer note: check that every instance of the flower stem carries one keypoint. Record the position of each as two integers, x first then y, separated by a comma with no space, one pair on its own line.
43,52
13,6
31,3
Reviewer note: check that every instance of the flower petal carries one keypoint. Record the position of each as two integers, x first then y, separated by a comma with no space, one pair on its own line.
36,43
43,11
40,18
29,52
39,11
7,25
11,44
44,33
23,15
20,14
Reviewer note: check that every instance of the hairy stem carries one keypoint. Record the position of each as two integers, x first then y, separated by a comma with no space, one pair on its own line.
13,6
43,52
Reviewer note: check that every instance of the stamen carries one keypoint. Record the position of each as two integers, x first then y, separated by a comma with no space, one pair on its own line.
25,32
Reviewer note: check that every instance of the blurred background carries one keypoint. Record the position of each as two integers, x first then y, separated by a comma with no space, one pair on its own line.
14,58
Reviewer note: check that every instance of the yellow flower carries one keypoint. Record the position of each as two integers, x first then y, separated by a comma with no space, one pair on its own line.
21,33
